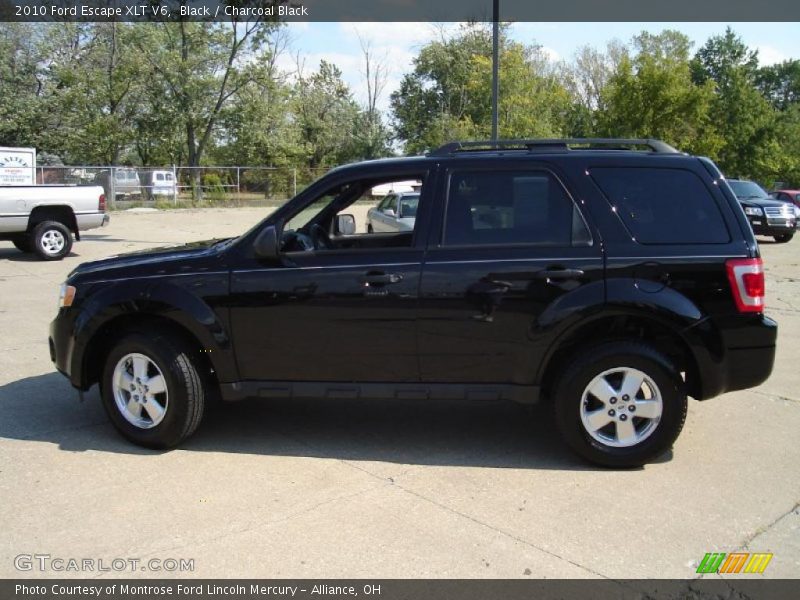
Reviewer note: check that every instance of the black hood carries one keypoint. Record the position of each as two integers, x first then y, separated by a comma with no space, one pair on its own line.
761,202
181,258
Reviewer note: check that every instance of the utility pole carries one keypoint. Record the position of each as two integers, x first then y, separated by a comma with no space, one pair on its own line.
495,64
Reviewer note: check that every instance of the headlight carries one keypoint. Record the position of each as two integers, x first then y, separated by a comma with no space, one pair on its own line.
753,211
66,295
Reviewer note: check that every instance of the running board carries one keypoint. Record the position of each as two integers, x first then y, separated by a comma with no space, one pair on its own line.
523,394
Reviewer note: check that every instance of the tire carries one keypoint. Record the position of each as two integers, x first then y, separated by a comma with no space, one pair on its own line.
51,240
370,229
182,401
610,363
23,244
782,239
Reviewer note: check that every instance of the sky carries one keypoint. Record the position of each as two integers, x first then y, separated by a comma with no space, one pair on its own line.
398,43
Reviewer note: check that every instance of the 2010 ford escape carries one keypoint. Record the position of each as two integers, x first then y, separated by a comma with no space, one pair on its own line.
611,278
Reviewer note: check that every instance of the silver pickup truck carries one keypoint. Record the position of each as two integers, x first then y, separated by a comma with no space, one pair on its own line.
43,218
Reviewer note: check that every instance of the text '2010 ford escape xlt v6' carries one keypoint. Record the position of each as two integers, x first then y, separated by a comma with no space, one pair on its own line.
611,278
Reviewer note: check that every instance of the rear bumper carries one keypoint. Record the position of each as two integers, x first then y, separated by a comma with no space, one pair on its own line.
91,220
745,358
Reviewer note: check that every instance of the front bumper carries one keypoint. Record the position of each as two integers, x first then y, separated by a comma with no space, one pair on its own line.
62,345
772,227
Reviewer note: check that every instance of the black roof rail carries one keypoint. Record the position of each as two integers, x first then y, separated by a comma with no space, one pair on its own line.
554,144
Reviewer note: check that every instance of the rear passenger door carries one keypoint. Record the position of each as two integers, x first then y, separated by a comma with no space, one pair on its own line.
508,249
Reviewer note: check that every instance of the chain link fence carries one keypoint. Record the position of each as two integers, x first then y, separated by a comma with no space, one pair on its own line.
167,187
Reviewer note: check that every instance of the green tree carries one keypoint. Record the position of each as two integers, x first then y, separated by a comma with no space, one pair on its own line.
788,131
201,66
448,94
651,94
780,84
326,115
21,83
586,78
258,125
372,136
744,119
97,93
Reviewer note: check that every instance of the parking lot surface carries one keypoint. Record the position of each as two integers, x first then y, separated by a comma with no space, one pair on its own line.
385,489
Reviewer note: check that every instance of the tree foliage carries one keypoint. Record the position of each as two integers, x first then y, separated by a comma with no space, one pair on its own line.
651,94
194,93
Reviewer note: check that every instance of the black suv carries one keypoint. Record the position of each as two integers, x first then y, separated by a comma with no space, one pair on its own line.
767,215
610,278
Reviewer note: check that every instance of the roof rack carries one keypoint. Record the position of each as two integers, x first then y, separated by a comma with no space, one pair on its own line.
555,144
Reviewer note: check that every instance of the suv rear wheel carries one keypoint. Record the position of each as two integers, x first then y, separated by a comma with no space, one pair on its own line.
51,240
782,239
620,404
152,391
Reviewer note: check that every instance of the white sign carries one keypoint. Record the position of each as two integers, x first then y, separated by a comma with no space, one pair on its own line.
17,166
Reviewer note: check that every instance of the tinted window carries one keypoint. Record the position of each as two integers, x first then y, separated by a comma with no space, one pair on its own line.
511,207
663,206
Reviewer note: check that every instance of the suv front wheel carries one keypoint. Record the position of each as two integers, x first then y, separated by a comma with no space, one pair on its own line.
152,390
620,404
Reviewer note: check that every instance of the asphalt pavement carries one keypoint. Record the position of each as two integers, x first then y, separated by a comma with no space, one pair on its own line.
310,489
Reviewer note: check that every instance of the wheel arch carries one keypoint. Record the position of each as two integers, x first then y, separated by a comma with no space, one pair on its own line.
61,213
163,307
665,336
107,335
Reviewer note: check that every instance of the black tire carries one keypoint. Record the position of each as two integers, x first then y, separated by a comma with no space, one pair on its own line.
186,397
782,239
568,394
23,244
369,229
46,231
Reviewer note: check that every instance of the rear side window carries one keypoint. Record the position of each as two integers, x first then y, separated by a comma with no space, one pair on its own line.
511,207
663,206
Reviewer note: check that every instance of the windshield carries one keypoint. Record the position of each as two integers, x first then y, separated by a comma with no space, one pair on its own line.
747,189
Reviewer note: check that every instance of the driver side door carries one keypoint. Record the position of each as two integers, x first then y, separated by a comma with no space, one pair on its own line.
340,315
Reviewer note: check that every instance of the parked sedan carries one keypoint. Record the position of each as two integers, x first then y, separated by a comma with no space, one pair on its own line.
767,216
396,212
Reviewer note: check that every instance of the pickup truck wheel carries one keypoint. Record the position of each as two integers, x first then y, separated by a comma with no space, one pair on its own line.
52,240
152,391
782,239
620,404
23,244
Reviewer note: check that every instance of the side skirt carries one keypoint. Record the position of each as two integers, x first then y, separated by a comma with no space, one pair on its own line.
523,394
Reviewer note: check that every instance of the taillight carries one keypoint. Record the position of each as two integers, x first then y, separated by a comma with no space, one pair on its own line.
746,276
101,205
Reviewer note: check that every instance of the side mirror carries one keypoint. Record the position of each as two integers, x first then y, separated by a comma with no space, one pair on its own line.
389,212
265,245
346,224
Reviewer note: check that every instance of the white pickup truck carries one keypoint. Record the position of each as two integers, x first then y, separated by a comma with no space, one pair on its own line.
43,218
